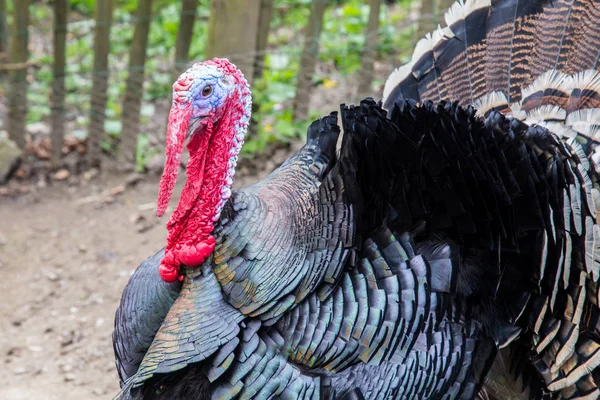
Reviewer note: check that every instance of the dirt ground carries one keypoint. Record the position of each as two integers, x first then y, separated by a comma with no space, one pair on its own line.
65,256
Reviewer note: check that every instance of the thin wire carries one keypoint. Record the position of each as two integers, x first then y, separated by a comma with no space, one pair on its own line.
37,95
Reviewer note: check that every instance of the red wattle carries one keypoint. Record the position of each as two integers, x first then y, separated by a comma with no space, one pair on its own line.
169,272
189,241
194,254
179,119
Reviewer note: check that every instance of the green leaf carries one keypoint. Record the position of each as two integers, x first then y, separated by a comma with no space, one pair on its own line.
106,145
279,61
113,127
142,152
79,133
147,110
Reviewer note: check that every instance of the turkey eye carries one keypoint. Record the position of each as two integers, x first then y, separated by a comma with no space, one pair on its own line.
207,91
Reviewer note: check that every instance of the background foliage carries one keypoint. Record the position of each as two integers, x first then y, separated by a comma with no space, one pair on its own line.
341,47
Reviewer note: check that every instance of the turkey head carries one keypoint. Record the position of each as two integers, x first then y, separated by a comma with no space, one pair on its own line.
211,106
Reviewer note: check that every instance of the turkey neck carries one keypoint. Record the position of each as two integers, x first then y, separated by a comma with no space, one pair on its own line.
213,157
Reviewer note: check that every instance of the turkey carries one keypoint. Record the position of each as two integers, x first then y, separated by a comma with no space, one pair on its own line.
453,232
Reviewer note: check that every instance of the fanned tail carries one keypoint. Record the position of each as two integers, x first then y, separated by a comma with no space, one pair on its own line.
535,61
492,51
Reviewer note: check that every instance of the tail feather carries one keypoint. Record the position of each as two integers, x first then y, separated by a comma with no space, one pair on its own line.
462,55
573,35
547,89
585,51
535,61
554,24
431,83
507,54
585,90
511,25
422,76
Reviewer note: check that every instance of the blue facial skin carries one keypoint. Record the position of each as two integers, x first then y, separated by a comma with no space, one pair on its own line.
204,103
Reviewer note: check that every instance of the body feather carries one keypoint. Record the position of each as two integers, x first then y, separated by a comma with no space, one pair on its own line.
440,243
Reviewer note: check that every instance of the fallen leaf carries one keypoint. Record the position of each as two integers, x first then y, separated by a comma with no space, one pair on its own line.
61,175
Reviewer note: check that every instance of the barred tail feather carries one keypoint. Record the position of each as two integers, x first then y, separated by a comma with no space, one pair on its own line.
503,46
535,61
585,51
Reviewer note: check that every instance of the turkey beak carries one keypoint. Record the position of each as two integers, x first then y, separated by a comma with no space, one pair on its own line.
194,125
177,130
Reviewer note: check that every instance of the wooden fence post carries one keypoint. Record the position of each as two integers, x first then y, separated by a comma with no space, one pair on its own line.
187,17
264,23
431,14
3,36
365,76
134,91
19,53
262,40
233,33
308,60
238,30
99,80
61,9
184,36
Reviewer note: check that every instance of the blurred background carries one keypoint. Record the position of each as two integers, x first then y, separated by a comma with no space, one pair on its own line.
84,97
